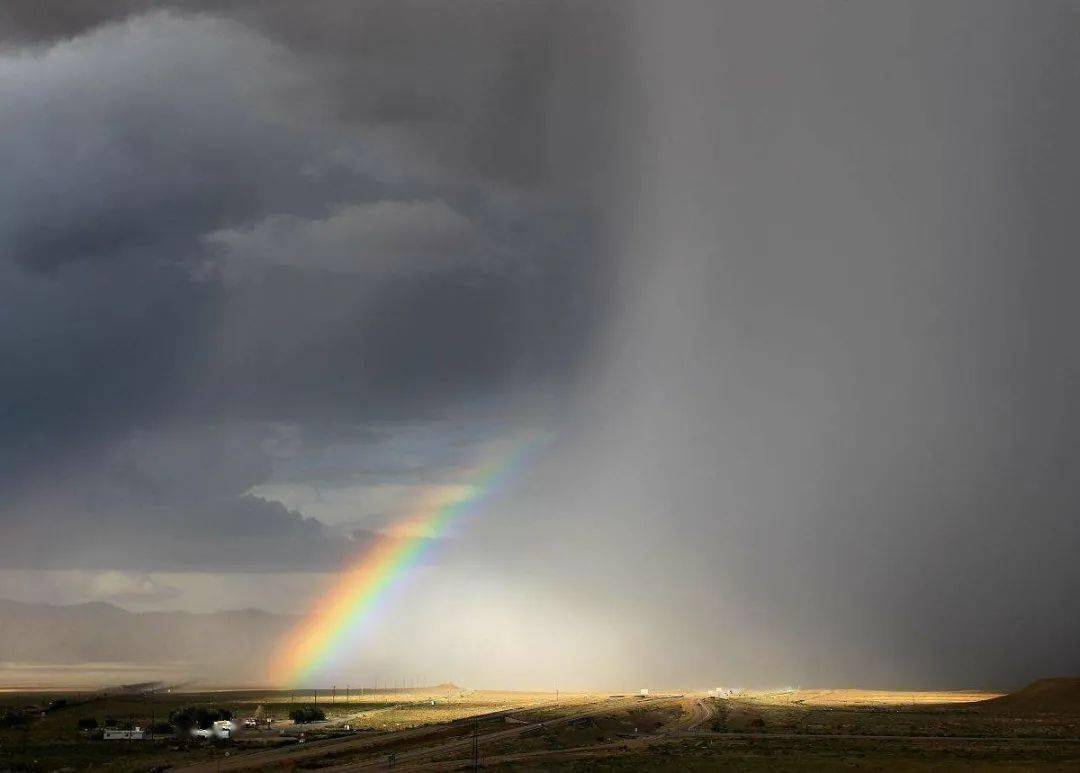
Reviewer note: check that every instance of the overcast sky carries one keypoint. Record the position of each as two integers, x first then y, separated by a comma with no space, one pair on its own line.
787,286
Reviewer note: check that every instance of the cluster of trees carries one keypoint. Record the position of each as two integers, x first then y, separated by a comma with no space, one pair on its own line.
183,719
56,705
307,714
91,723
197,716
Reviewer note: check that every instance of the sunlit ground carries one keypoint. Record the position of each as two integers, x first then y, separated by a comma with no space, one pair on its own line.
84,676
792,729
856,697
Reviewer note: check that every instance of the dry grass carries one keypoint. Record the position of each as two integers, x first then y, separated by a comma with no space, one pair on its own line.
405,710
870,698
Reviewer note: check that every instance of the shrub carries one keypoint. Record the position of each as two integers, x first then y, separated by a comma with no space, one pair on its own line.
306,714
13,719
88,723
197,716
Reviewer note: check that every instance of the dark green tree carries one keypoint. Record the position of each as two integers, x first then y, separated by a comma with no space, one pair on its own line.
306,714
197,716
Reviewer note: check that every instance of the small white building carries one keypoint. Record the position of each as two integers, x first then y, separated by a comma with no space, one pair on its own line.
116,734
224,728
644,692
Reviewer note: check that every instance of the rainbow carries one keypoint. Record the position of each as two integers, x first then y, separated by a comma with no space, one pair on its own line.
333,626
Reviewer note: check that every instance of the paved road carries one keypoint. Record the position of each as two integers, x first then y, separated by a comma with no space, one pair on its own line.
291,755
421,759
697,712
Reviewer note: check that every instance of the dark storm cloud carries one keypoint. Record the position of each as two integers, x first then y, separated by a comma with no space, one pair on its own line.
24,21
833,432
113,160
855,374
219,137
826,431
448,92
248,213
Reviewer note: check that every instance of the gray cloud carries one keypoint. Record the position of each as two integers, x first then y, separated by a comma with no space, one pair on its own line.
511,93
24,21
128,587
381,237
114,161
165,499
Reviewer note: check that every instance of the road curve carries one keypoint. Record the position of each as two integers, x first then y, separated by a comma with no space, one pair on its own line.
420,759
697,712
280,756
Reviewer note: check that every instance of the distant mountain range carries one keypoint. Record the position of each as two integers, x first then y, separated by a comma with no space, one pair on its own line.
237,642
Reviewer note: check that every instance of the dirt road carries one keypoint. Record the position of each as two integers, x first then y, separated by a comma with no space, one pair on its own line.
284,757
699,712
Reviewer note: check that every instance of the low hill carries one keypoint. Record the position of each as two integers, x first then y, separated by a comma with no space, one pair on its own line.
1057,696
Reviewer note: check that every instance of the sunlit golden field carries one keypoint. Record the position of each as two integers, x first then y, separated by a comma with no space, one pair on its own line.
856,697
399,710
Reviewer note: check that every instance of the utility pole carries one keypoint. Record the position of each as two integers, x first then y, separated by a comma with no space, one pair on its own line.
476,744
